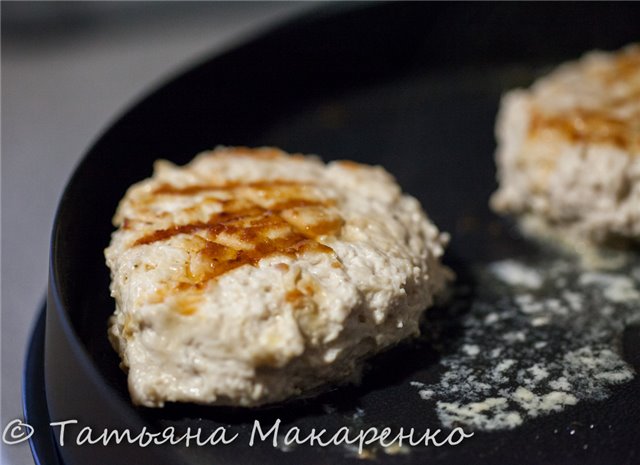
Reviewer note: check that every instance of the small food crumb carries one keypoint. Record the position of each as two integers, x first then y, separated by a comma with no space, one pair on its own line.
516,274
538,337
426,394
471,350
616,288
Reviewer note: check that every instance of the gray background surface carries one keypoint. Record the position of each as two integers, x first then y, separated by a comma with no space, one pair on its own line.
68,70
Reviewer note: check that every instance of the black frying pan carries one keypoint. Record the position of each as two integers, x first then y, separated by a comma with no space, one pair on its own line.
414,87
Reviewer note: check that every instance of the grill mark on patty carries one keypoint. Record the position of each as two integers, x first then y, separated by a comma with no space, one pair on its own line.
625,66
616,120
589,126
290,226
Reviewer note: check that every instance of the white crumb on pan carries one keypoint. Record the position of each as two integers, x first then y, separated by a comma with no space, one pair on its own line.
617,288
517,274
508,368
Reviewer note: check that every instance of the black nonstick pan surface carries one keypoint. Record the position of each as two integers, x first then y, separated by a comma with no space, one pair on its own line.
414,87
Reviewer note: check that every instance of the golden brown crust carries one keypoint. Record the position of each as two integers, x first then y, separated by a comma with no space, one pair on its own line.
290,226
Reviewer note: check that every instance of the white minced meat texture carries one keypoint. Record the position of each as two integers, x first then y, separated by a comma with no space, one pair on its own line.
250,276
569,150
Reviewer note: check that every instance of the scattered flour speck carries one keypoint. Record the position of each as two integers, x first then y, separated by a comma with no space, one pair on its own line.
471,350
516,274
426,394
536,338
617,288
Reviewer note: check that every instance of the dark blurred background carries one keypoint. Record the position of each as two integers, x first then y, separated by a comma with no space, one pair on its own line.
68,70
